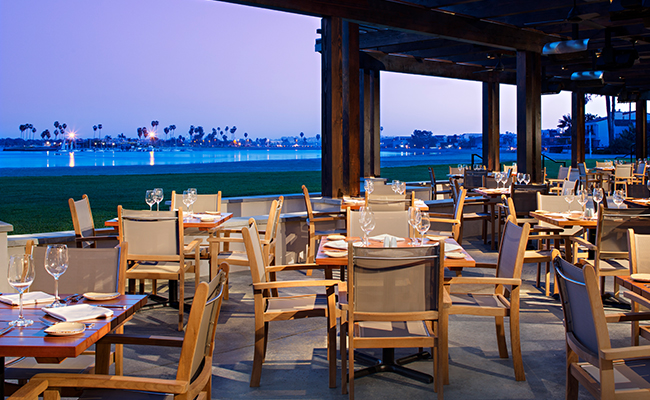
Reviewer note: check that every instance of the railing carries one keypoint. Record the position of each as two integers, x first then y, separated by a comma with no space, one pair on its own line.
545,157
631,155
475,155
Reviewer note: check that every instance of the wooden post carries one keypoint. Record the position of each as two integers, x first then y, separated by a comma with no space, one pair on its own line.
370,125
340,165
641,129
491,142
577,128
529,104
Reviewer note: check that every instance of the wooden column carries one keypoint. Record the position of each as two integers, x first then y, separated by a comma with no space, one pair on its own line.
491,138
641,129
340,165
577,128
529,116
370,125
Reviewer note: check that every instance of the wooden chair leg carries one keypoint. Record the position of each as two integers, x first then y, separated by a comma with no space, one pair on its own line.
443,345
181,302
343,348
515,342
331,353
351,371
635,325
266,340
501,337
547,283
258,354
572,384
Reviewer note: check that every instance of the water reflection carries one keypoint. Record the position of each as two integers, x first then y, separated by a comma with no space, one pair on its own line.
151,158
71,162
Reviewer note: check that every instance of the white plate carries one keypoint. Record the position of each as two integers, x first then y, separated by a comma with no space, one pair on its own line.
213,212
641,277
101,296
336,254
454,255
66,329
335,237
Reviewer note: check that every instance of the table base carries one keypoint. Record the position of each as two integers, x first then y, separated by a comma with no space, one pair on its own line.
389,364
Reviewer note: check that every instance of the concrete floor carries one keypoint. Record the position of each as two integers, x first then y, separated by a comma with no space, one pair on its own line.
296,364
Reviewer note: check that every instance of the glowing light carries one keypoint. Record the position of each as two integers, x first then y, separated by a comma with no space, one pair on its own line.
151,158
71,161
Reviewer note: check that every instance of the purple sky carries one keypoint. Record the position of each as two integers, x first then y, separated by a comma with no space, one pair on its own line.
124,63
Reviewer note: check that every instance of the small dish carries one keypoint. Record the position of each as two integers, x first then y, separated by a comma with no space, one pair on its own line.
207,219
335,237
95,296
213,212
641,277
335,254
455,255
66,329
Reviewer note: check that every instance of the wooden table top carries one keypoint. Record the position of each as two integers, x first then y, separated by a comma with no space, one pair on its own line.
324,259
492,192
32,341
193,221
562,219
640,288
638,202
355,203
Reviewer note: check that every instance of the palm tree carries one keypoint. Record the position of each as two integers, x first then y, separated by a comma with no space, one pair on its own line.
166,130
99,126
22,128
56,134
172,128
140,133
154,124
33,132
232,131
94,131
565,122
318,136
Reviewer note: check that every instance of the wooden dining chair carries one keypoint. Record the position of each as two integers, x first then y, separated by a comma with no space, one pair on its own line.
314,219
639,249
395,299
623,176
386,222
504,300
638,176
285,306
204,202
606,372
455,219
194,375
86,235
555,184
157,251
587,179
89,270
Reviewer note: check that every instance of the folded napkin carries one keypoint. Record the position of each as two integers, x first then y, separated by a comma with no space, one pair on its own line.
449,247
337,244
78,312
383,237
28,298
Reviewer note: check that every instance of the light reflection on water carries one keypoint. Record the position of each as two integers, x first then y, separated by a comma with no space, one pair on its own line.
71,163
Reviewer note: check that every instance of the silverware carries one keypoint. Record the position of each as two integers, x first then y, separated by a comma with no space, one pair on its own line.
112,306
5,330
69,298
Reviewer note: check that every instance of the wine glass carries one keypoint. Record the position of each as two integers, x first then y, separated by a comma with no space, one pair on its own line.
497,177
504,178
368,185
149,198
193,197
598,195
583,198
648,184
414,217
20,276
526,179
56,263
393,185
401,187
158,192
520,177
423,226
367,223
618,198
568,194
187,199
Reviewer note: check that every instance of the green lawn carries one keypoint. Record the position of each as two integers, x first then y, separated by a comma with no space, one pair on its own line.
40,204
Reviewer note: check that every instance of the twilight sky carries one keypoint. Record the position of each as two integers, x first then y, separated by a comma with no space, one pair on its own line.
124,63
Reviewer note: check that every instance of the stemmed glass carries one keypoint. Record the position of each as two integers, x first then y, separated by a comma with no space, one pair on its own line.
598,195
504,178
401,187
368,185
149,198
20,276
423,226
367,223
187,199
618,198
568,196
56,263
158,192
394,185
193,197
520,177
648,184
414,221
526,179
583,198
497,177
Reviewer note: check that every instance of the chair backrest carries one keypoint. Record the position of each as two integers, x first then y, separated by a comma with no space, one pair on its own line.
623,171
582,170
254,252
405,280
89,270
611,231
604,164
568,185
382,189
512,249
639,249
310,210
454,170
386,222
203,203
489,182
434,189
555,203
473,179
574,175
392,202
273,222
524,197
195,363
638,191
584,317
152,235
640,168
563,172
82,217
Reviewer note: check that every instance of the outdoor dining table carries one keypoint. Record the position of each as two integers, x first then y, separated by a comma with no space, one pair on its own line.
32,341
637,202
196,220
355,203
492,194
639,288
565,220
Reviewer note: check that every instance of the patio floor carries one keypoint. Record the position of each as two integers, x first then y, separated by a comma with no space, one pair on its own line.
296,365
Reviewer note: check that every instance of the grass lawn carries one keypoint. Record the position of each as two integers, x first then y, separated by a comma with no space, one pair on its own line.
40,204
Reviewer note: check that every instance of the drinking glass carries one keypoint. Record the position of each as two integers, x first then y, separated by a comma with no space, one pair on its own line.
526,179
158,192
583,198
187,199
423,226
394,185
368,185
56,263
401,187
568,196
193,197
149,198
367,223
497,178
598,195
504,178
618,198
414,220
520,177
20,276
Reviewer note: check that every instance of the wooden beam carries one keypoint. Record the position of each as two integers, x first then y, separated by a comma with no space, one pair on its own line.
529,116
641,129
370,123
411,65
351,110
577,128
491,138
413,18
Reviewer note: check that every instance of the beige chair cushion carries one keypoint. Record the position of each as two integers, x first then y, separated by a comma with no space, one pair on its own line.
379,329
627,374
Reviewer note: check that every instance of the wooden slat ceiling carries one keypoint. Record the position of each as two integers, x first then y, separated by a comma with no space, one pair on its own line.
626,22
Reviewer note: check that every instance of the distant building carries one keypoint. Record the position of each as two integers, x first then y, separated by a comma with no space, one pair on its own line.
597,131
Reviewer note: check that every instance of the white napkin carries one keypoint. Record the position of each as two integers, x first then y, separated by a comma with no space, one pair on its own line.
78,312
28,298
337,244
383,236
449,247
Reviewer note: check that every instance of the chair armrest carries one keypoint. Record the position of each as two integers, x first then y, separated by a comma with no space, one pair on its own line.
625,352
628,316
482,280
142,340
326,217
95,238
446,299
485,265
445,220
294,284
295,267
225,239
115,382
636,298
192,246
105,231
441,215
555,180
583,242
